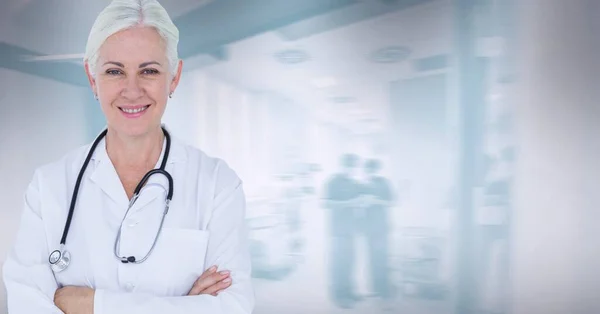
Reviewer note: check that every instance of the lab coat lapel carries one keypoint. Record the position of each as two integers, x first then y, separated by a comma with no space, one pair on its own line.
105,176
157,185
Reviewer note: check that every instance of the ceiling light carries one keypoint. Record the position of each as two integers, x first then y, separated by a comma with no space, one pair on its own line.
390,54
291,56
65,57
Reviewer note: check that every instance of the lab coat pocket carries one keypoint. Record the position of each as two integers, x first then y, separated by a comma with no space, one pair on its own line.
175,264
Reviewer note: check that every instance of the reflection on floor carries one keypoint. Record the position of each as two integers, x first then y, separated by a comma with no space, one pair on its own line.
305,289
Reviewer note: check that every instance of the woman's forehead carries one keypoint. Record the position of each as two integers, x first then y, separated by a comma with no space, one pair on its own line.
133,45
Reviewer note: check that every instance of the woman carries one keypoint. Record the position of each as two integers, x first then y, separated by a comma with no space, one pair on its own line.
129,249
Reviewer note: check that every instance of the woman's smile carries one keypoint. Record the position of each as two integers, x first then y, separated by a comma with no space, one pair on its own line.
133,112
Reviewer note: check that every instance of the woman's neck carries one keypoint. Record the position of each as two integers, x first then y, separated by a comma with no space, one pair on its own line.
132,153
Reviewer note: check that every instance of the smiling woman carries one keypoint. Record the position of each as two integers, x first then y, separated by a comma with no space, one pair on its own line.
156,226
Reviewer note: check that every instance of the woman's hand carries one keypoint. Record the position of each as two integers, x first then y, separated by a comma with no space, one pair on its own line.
211,282
71,299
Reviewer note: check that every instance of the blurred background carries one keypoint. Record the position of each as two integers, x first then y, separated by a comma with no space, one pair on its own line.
475,119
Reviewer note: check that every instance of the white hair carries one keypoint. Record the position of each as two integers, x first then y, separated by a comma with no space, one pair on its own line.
123,14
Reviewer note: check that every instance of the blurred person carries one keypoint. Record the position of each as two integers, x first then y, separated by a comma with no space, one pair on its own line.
342,201
376,225
153,225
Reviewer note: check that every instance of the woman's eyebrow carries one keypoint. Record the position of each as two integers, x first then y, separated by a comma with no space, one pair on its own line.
119,64
145,64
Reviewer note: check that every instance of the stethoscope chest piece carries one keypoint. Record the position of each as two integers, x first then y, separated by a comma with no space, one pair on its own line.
59,260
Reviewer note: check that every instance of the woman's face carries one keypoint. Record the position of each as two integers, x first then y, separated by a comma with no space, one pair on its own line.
133,80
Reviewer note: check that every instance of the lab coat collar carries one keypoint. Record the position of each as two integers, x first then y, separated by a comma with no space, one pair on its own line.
106,177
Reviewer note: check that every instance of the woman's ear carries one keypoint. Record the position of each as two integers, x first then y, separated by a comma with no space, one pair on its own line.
176,77
91,79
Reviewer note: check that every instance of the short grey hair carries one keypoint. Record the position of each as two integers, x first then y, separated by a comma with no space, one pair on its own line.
123,14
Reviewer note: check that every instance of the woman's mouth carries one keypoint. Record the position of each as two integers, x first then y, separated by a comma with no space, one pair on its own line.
134,112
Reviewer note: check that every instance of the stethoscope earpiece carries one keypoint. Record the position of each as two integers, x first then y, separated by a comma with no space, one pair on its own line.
59,259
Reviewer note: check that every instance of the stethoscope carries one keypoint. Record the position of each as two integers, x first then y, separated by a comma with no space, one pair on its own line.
61,258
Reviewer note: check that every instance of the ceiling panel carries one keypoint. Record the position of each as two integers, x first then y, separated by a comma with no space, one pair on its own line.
203,29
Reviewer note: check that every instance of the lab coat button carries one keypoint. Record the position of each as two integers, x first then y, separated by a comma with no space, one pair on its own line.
129,286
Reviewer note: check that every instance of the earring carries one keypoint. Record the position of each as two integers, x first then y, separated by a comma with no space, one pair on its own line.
96,96
171,95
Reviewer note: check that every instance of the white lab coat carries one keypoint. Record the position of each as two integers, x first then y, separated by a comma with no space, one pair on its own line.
204,227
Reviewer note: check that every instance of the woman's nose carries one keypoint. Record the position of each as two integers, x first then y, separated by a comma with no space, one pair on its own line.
132,89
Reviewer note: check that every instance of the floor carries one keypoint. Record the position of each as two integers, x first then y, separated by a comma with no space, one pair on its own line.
305,289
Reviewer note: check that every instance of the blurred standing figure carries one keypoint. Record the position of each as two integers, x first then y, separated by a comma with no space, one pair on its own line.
341,200
376,227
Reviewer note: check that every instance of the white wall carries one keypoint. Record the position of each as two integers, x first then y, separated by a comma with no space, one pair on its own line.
556,264
40,120
225,121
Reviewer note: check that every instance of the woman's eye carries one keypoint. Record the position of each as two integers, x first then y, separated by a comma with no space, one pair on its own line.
113,72
149,71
